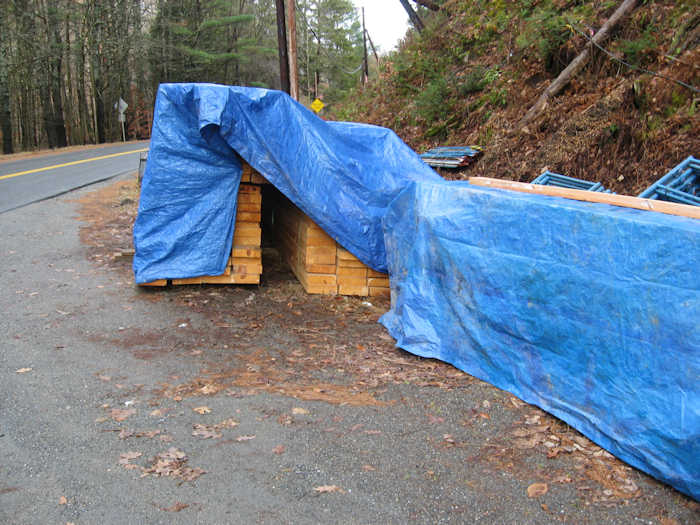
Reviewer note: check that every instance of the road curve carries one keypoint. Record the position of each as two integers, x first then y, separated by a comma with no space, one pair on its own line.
33,179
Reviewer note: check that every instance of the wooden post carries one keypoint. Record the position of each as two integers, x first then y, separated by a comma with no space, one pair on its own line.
292,50
282,46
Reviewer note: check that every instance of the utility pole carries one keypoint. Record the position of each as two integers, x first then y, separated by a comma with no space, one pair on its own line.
365,63
282,46
374,49
292,50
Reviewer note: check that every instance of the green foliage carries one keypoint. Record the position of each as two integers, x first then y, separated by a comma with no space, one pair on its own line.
546,31
477,79
216,41
498,97
432,104
638,49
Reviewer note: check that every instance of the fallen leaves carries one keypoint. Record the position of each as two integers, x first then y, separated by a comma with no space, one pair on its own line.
279,449
244,438
62,500
126,457
205,431
537,490
23,370
298,411
118,414
126,434
202,410
325,489
227,423
172,463
176,507
615,479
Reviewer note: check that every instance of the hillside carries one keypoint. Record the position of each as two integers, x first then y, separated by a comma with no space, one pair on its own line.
472,74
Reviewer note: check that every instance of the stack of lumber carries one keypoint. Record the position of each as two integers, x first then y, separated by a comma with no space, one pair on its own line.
321,264
355,278
245,262
251,175
309,251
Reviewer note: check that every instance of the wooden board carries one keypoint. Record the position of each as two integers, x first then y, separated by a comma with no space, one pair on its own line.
379,292
626,201
159,282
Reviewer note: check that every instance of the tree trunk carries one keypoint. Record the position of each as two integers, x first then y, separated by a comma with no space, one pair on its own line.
427,3
576,64
5,114
415,19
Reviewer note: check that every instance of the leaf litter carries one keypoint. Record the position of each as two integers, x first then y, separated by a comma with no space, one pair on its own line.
322,349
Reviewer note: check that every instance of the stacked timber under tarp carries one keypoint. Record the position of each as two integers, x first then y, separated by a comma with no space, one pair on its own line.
245,262
320,263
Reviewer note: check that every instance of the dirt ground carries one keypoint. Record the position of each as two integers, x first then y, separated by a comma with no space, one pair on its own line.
332,350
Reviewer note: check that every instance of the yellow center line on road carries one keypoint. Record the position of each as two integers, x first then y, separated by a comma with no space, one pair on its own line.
37,170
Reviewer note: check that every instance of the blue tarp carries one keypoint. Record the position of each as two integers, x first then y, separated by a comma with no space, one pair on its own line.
343,175
589,311
586,310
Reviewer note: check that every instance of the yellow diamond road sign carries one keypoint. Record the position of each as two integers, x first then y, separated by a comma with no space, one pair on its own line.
317,105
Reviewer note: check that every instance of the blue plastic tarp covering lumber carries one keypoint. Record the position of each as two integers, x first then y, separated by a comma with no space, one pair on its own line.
588,311
342,175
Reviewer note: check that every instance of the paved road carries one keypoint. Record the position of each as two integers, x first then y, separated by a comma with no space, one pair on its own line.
33,179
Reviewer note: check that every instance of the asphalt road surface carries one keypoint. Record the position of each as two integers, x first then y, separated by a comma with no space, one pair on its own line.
33,179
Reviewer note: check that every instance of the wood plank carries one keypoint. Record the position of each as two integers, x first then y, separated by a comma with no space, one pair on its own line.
345,255
245,260
352,281
345,263
246,251
159,282
352,272
258,178
250,198
248,216
190,280
321,289
255,207
249,188
378,281
234,278
320,268
353,289
248,268
379,291
321,278
625,201
375,273
246,238
247,227
319,255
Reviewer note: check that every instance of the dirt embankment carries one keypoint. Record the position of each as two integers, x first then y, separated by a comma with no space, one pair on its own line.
471,76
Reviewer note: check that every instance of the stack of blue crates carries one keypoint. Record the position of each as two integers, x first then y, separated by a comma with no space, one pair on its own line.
681,184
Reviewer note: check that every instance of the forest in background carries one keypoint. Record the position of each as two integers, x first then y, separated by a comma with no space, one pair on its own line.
64,64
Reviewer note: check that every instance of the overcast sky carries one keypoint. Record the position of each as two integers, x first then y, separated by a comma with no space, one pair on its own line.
386,21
